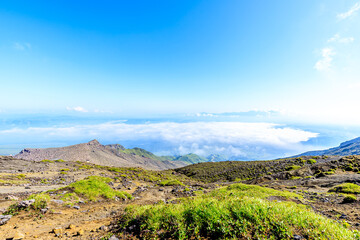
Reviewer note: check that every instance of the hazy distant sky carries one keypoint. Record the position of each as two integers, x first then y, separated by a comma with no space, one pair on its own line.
140,57
300,58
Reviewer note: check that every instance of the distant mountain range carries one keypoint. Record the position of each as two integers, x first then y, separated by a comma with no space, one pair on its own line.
351,147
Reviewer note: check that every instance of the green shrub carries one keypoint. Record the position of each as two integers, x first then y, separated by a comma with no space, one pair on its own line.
171,182
292,167
94,187
41,200
311,161
346,188
59,160
295,178
349,199
47,161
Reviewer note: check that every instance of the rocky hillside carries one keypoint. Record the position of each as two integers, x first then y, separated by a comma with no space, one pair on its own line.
351,147
96,153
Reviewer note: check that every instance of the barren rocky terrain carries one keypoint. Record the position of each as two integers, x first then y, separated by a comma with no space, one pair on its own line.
71,214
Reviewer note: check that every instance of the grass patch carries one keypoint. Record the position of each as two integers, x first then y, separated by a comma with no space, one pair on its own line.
94,187
292,167
346,188
47,161
59,160
41,200
311,161
349,199
235,212
172,182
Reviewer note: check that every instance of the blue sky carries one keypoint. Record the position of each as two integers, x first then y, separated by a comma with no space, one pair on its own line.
122,59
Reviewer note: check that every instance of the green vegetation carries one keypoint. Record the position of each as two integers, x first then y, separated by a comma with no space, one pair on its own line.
64,170
235,212
47,161
59,160
172,182
292,167
346,188
94,187
139,173
191,158
311,161
41,200
349,199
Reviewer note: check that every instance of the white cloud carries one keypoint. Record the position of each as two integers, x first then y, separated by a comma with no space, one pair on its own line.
339,39
245,140
77,109
21,46
324,63
349,13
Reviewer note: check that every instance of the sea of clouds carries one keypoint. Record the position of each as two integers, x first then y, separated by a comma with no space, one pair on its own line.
234,139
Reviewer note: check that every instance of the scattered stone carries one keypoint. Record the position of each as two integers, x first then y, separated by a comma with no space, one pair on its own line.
11,197
57,231
161,189
77,207
113,237
4,219
44,210
81,202
26,203
27,187
343,216
58,201
103,228
297,237
18,235
71,226
80,232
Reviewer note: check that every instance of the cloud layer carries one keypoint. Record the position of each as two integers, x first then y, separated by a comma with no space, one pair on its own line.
243,140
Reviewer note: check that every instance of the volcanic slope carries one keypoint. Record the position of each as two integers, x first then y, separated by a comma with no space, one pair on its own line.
351,147
96,153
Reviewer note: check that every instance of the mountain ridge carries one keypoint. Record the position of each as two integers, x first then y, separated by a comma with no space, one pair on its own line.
96,153
350,147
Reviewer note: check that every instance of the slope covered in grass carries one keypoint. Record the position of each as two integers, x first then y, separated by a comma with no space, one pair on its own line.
235,212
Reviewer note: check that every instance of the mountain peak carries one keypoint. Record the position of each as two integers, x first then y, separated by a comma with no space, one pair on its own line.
94,143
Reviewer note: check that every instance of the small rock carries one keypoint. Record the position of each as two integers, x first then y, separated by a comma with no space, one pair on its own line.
58,201
4,219
27,187
297,237
161,189
44,210
11,197
343,216
129,188
103,228
71,226
18,235
77,207
26,203
80,232
58,231
113,237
